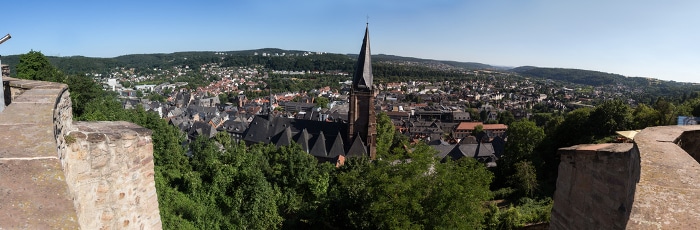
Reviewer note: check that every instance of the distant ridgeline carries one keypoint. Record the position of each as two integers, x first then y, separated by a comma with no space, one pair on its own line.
275,59
652,87
387,68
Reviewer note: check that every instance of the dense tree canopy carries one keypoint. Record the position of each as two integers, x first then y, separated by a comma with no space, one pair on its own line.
35,66
385,133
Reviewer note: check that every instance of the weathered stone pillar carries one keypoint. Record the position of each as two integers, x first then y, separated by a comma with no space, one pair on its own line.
595,187
109,170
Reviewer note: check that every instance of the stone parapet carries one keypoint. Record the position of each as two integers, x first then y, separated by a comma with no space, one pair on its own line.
102,179
33,190
109,167
668,191
595,186
651,184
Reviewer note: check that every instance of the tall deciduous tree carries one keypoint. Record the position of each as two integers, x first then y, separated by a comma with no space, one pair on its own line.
523,137
575,128
385,134
35,66
609,117
477,129
506,117
82,90
525,177
322,102
667,111
644,116
696,110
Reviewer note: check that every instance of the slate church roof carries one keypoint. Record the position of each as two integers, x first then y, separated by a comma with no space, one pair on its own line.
362,79
323,140
482,152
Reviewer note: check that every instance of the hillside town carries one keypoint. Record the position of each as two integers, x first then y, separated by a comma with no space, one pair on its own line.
458,118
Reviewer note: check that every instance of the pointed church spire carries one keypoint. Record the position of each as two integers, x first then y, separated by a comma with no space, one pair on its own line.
362,79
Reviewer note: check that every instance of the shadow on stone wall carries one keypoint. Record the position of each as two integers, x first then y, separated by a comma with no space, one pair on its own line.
595,187
690,142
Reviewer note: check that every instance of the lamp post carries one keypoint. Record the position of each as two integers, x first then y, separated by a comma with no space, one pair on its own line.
2,83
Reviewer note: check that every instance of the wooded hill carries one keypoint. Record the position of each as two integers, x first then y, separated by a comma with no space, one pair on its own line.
293,60
652,88
386,67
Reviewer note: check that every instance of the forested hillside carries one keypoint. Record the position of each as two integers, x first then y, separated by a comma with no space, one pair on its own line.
652,88
293,60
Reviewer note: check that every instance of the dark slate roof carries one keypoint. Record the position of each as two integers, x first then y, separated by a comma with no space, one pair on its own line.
482,152
468,140
321,139
292,106
456,153
176,111
337,148
443,148
362,79
202,129
319,146
235,126
339,116
258,131
263,127
210,110
461,116
285,138
485,150
302,139
357,149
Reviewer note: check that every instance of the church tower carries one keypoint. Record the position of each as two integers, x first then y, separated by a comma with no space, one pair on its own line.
362,119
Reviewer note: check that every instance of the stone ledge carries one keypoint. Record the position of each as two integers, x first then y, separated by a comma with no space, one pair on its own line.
34,192
653,184
21,207
114,130
31,84
667,192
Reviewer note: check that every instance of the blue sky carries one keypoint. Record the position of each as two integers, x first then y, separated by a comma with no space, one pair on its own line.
659,39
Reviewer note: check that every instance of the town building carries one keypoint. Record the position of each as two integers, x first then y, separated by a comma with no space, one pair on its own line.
465,129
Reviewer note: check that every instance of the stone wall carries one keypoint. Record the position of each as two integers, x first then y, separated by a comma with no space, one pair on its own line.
651,184
48,183
595,186
62,122
109,165
33,190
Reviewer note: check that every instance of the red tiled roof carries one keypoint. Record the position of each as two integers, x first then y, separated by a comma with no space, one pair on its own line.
495,126
472,125
468,125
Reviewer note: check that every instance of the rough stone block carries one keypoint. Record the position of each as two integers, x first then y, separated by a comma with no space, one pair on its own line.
123,174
